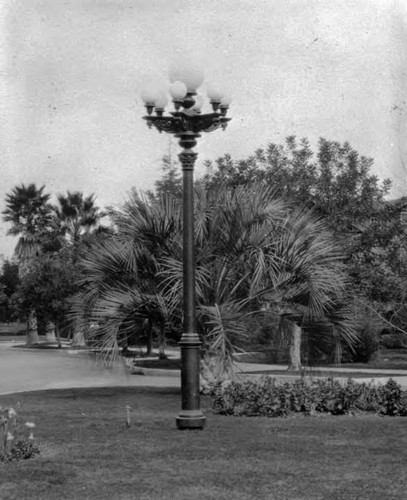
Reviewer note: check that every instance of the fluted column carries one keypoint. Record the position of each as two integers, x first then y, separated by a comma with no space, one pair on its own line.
190,417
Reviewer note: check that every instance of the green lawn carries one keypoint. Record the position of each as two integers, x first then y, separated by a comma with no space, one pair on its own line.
88,453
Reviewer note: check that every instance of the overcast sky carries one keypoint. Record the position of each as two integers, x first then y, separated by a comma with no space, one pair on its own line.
71,72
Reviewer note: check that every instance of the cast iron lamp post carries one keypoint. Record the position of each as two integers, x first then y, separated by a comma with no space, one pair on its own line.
187,123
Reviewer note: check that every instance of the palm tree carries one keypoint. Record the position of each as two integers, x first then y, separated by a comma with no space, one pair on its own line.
308,282
120,287
29,213
78,219
255,255
258,255
78,216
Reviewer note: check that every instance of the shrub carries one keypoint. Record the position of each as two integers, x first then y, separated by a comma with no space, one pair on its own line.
22,450
266,397
391,399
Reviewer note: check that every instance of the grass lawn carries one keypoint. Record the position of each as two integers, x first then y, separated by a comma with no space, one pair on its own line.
88,453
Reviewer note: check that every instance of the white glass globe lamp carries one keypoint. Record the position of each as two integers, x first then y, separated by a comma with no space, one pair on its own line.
187,72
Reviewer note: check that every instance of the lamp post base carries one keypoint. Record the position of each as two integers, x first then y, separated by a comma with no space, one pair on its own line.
191,419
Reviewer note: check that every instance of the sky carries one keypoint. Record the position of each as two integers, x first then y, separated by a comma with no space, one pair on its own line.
71,73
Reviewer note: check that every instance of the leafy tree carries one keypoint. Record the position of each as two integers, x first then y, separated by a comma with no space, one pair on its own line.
170,183
48,285
336,182
9,280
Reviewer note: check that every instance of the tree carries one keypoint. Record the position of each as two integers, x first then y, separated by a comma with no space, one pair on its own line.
9,280
119,285
258,255
48,285
77,215
337,184
28,211
79,219
252,250
171,181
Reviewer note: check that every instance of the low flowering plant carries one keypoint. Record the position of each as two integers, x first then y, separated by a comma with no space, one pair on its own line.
11,448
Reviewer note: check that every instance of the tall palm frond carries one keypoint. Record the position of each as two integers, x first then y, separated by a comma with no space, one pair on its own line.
29,213
78,216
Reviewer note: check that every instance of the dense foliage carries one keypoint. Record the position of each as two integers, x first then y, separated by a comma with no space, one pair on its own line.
51,240
338,185
9,281
256,257
267,397
290,246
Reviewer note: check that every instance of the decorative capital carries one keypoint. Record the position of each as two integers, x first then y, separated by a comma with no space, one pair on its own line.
187,159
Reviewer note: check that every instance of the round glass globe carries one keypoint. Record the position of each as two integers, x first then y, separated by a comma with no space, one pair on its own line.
150,95
226,101
188,72
178,90
162,101
215,94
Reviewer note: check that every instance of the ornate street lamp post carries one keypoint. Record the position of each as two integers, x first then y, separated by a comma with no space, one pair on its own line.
187,123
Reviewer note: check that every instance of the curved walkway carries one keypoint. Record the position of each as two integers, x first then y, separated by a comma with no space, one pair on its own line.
39,369
24,370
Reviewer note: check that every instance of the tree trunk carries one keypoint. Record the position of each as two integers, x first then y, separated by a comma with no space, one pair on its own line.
295,348
161,342
32,328
50,331
78,336
338,352
149,331
58,335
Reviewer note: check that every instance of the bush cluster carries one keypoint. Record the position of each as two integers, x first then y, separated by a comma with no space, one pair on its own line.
267,397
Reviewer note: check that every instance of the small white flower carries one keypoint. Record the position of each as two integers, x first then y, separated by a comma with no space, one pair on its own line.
12,413
30,425
10,436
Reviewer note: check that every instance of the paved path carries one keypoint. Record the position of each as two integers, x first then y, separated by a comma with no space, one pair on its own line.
35,369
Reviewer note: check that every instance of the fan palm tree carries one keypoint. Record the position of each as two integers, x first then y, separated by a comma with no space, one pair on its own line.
78,218
29,213
308,283
257,255
77,215
120,286
254,255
